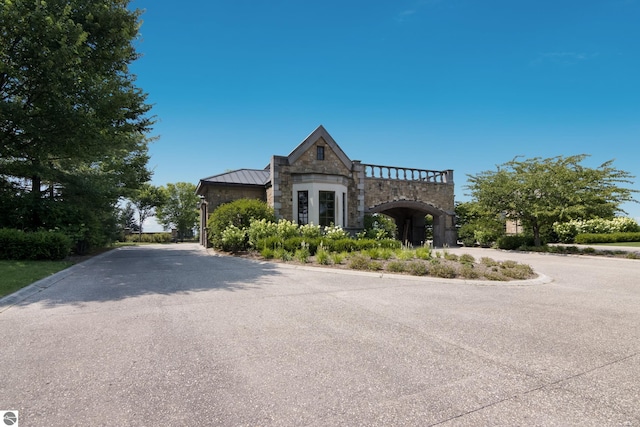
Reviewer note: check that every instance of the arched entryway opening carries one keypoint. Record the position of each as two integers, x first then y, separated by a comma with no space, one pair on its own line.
409,216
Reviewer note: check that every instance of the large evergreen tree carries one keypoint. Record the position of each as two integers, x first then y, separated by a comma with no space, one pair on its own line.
73,123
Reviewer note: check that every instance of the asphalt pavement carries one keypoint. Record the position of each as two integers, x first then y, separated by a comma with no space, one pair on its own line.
176,335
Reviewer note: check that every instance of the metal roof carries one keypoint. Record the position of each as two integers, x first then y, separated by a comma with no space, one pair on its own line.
240,177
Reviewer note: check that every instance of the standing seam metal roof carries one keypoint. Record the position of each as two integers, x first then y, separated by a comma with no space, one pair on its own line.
241,177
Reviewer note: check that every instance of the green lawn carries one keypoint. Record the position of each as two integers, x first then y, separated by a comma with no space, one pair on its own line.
632,244
15,275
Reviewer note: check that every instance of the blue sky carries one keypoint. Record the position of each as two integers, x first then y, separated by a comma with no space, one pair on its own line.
432,84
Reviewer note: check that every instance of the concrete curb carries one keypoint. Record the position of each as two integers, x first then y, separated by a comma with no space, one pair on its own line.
28,291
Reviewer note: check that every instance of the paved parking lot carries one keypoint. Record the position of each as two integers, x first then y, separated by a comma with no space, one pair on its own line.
174,335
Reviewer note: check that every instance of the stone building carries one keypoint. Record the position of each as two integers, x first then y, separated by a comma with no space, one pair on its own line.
318,183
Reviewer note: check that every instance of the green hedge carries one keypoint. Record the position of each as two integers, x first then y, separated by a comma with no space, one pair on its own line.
514,242
39,245
149,237
607,238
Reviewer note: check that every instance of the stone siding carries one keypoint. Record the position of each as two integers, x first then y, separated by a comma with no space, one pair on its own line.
378,191
216,195
308,163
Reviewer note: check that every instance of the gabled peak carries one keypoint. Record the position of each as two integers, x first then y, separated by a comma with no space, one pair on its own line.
319,133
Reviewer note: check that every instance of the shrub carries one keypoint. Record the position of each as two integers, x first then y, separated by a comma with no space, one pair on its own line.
39,245
417,268
322,256
149,238
608,238
568,231
443,270
494,275
267,253
238,213
489,262
374,253
287,229
468,272
450,256
514,242
396,266
485,238
294,243
282,254
233,239
516,271
259,230
335,232
270,242
310,231
337,257
423,253
405,254
302,255
359,262
379,227
386,253
341,245
467,259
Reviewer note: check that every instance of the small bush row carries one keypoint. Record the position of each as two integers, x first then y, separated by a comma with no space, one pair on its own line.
39,245
514,242
568,231
149,238
607,238
291,244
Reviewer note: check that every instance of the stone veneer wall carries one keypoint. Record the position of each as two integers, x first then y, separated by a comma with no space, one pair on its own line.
216,195
307,163
440,195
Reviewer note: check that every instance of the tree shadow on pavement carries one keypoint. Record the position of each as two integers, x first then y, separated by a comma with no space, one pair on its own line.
130,272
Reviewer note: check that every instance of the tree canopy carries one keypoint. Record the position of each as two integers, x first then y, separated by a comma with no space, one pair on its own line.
73,123
538,192
147,199
180,208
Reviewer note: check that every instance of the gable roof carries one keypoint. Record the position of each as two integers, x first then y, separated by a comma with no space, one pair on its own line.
240,177
320,132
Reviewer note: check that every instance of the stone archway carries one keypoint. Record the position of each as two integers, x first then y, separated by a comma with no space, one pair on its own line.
409,216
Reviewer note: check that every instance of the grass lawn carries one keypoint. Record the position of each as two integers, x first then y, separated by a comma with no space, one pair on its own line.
15,275
631,244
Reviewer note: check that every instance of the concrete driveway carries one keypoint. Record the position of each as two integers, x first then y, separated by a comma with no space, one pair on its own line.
173,335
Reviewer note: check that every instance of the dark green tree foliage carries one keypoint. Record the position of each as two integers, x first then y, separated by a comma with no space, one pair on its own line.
238,213
539,192
127,218
478,225
72,121
180,208
378,226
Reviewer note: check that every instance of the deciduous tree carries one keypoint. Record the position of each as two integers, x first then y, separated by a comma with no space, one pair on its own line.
539,192
180,208
73,123
146,200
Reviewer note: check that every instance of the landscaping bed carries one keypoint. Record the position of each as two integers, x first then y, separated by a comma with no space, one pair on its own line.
415,262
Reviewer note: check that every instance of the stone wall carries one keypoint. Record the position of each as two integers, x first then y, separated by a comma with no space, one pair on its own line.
308,163
216,195
378,191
